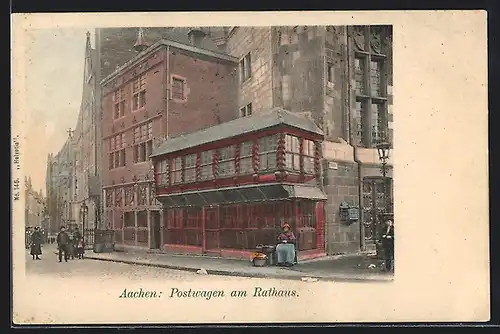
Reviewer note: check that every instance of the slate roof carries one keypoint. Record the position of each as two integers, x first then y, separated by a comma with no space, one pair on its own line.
255,122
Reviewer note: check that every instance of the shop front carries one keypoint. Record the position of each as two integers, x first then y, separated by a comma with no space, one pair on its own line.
231,187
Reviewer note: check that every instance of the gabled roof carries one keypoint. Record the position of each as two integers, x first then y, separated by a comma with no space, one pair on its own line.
255,122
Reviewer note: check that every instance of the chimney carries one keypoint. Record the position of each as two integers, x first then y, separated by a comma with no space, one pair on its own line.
140,44
196,36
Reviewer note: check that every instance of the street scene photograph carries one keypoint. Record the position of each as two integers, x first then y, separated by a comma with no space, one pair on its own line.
240,151
194,168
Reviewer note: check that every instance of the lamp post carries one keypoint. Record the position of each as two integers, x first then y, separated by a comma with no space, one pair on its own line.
84,209
383,149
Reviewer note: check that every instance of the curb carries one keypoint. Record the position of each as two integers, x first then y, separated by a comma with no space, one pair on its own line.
251,275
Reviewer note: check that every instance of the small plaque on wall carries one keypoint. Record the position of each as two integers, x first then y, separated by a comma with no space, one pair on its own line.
333,165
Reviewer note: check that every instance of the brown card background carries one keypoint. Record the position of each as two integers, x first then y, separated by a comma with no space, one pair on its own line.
441,187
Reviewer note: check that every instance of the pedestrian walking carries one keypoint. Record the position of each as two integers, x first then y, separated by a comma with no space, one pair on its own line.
388,244
62,244
36,244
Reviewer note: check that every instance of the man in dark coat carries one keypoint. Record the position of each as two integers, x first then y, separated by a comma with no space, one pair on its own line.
36,242
62,244
388,244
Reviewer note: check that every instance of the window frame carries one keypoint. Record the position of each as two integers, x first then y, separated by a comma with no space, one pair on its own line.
246,157
244,111
139,88
292,151
268,152
367,133
245,68
142,142
117,157
182,96
229,160
209,156
119,103
189,168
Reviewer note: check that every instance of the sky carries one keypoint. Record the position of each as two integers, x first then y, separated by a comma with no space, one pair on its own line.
54,83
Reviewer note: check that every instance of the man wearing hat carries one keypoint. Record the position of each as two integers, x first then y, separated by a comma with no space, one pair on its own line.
388,244
62,244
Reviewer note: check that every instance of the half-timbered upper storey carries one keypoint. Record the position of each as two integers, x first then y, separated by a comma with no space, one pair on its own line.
266,156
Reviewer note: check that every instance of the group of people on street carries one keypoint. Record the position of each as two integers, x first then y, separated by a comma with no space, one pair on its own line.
69,245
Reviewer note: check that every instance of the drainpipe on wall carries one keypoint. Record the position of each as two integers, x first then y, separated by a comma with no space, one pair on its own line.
167,90
347,41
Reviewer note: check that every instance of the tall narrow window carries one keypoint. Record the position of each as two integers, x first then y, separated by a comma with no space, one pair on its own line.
359,74
119,103
329,72
370,118
375,77
267,152
292,155
162,169
139,93
206,165
245,67
308,156
176,170
177,88
117,157
143,142
226,161
246,158
190,168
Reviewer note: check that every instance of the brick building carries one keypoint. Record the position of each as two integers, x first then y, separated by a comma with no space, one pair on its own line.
341,77
168,89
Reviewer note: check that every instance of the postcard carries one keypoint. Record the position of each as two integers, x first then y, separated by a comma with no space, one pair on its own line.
237,167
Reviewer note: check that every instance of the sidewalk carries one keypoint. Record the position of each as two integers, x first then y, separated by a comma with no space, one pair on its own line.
345,268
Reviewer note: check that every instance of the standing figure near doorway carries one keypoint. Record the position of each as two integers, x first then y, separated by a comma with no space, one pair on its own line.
285,250
388,244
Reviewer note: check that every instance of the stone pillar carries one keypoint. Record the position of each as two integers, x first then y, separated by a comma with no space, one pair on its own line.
136,229
148,211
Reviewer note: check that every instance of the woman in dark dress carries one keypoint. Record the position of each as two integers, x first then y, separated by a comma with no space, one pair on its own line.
388,244
36,244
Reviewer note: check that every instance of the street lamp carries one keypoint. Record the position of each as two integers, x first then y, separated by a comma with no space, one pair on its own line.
84,209
383,149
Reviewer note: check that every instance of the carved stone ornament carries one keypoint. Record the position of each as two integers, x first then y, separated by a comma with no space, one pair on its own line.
375,39
359,38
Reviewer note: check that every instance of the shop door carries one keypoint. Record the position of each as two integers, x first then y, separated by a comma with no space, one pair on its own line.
211,233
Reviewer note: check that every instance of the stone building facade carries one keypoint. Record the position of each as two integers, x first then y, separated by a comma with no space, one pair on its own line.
86,146
342,77
169,89
34,205
59,188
